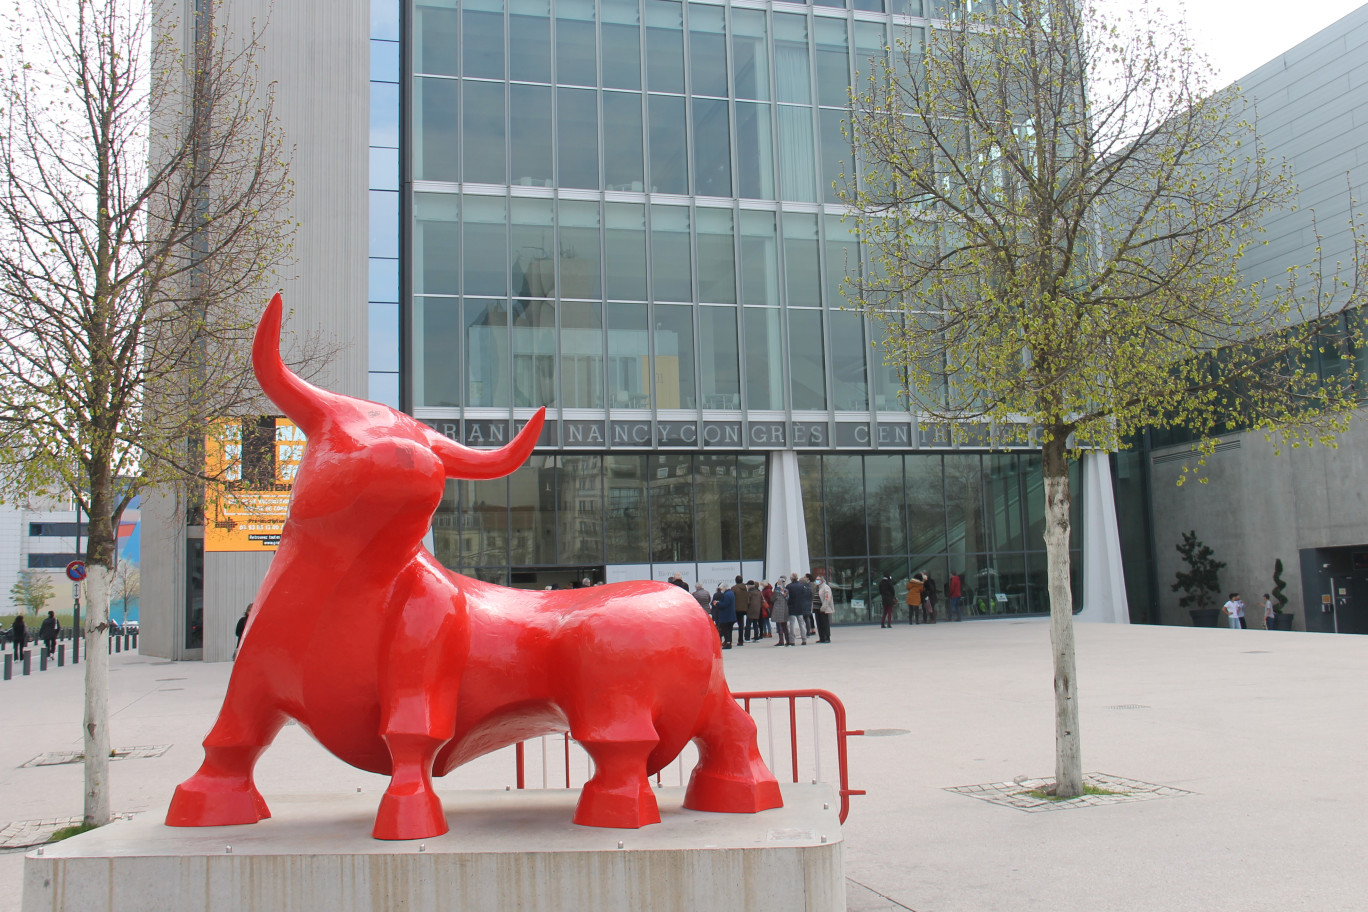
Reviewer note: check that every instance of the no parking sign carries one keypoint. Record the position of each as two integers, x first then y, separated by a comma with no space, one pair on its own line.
76,571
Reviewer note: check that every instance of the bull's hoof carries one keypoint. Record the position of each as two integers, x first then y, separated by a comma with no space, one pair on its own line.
209,801
722,794
416,815
627,809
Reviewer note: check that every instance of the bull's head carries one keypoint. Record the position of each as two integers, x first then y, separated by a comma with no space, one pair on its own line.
310,408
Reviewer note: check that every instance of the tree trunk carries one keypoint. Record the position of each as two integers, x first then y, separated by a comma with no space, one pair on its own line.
96,744
1068,753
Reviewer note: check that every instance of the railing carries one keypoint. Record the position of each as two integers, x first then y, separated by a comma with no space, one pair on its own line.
799,764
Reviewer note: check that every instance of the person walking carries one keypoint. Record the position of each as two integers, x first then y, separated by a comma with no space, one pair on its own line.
1233,608
779,612
242,628
889,596
824,606
48,631
18,636
929,597
724,614
954,590
800,605
1269,613
914,598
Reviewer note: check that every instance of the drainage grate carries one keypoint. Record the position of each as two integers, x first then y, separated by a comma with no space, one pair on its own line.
57,758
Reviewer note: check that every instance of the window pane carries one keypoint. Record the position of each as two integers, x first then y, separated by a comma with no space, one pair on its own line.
438,32
806,364
579,249
750,55
1003,502
577,138
622,43
437,134
718,356
754,151
843,260
1033,501
579,509
672,508
791,58
849,382
664,46
750,470
576,54
810,478
486,353
964,504
581,336
529,40
623,168
870,57
627,531
667,145
905,7
483,136
437,261
797,155
629,359
844,498
384,115
624,250
801,267
485,245
712,147
674,357
383,224
926,503
885,520
871,6
716,256
534,353
482,44
718,527
530,134
759,259
439,384
531,515
670,253
836,3
531,241
833,73
483,522
837,155
888,384
708,50
764,359
382,337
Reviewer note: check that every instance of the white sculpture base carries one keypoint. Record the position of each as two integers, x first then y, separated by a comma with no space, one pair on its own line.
506,850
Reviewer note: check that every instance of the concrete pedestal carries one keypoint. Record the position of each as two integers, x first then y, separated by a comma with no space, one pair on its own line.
506,850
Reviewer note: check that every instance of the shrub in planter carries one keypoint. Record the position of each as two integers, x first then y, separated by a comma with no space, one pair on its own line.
1201,582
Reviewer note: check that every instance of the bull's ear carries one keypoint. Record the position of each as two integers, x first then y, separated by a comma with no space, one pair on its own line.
463,462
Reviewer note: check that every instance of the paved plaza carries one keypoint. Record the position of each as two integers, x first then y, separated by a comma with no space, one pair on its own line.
1229,764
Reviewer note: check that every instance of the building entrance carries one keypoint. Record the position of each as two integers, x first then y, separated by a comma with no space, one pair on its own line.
1336,589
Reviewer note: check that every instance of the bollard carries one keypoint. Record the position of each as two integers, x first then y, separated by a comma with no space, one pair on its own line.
26,661
135,639
109,644
61,654
42,660
118,644
9,666
75,646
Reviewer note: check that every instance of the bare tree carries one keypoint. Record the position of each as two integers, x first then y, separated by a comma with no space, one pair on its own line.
143,208
1058,210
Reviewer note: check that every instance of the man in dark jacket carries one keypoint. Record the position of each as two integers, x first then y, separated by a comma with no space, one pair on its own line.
740,598
800,605
48,632
889,597
18,636
724,615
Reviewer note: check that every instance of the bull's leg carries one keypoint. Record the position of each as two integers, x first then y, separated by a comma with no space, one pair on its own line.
619,794
222,792
730,775
422,661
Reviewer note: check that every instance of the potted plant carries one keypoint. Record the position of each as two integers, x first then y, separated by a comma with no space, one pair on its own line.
1200,583
1282,620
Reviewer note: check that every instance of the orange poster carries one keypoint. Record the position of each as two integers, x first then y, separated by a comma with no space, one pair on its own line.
256,457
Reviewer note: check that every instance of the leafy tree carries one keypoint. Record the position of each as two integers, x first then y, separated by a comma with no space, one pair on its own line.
1279,584
1056,210
143,195
1201,582
31,591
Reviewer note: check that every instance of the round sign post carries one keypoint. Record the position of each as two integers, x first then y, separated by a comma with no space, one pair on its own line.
76,571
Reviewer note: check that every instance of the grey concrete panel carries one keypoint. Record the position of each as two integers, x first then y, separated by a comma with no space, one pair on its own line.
231,578
162,609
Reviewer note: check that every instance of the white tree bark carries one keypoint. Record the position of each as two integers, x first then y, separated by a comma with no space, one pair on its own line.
1068,752
96,727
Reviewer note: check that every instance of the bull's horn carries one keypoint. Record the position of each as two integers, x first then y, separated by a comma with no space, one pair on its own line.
302,402
464,462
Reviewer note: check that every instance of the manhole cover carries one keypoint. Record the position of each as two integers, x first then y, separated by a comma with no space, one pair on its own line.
885,732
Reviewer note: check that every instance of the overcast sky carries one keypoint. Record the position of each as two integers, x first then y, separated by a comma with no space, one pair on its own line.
1240,35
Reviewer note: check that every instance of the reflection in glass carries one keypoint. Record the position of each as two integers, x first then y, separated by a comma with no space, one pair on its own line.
885,517
718,358
581,336
670,253
530,241
529,119
629,356
850,384
623,167
439,35
750,469
437,134
888,383
754,151
485,245
440,381
674,356
482,39
759,259
844,497
806,366
534,353
627,530
621,25
926,503
579,249
842,260
801,265
664,46
1033,499
750,55
580,509
1003,501
482,135
668,153
716,256
712,147
850,592
531,514
624,250
436,247
529,40
764,359
715,493
576,54
672,507
577,137
482,522
833,64
810,479
837,155
486,353
708,50
964,503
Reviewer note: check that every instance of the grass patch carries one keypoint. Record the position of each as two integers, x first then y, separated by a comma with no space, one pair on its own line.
1049,795
68,832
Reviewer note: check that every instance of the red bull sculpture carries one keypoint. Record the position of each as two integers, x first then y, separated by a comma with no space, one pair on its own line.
400,667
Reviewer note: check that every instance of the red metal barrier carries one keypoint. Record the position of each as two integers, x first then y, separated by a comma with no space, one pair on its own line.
745,699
